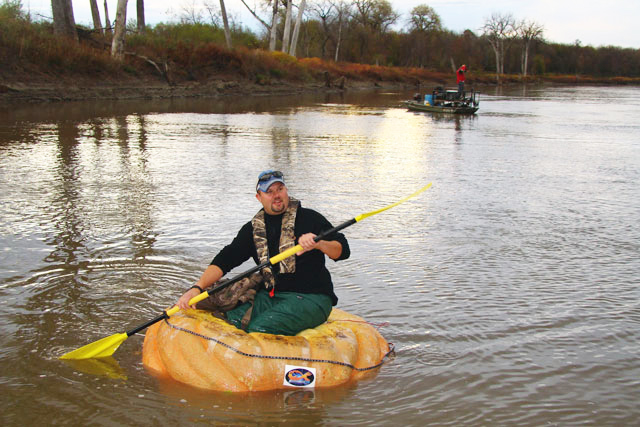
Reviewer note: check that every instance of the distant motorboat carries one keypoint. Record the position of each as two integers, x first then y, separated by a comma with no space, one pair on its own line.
445,101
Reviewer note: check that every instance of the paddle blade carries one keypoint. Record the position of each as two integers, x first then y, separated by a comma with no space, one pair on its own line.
101,348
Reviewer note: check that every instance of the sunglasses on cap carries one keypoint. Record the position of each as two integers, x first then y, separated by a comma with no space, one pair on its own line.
267,176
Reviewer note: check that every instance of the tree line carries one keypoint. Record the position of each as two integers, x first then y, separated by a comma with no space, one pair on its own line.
363,31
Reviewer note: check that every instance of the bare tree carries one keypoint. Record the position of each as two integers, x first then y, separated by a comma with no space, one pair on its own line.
332,15
63,22
215,12
287,27
271,28
107,22
296,30
95,14
529,31
225,21
190,13
343,10
255,14
117,45
499,31
274,26
140,15
324,10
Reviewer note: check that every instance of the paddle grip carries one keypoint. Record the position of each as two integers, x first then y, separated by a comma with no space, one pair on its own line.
292,251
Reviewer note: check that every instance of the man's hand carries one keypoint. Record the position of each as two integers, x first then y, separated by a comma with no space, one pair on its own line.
331,248
307,243
183,302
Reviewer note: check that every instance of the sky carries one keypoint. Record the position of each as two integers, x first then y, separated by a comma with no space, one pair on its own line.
591,22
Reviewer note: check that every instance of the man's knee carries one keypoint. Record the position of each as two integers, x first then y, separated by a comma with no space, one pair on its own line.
297,313
270,328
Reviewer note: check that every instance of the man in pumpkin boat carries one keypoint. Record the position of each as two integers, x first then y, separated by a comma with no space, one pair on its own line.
286,298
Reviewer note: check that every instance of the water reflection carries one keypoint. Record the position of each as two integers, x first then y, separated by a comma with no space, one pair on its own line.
80,112
64,200
95,188
103,367
95,192
509,288
292,406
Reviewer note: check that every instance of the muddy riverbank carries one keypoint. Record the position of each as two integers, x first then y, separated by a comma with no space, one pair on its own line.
38,89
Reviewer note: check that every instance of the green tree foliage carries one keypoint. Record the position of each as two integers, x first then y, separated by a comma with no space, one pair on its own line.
424,19
369,29
12,9
424,24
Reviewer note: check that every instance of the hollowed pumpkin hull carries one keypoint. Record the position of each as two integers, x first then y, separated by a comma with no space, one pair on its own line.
196,348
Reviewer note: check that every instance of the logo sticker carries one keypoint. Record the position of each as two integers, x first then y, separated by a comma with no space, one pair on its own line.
299,376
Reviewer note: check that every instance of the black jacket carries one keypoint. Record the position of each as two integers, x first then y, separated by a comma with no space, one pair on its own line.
311,274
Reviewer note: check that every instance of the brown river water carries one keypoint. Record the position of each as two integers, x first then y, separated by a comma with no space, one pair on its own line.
510,288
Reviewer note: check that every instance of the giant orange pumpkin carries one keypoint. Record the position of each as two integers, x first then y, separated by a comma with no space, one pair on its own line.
196,348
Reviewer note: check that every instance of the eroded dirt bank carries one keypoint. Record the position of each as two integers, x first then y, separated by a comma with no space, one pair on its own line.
46,89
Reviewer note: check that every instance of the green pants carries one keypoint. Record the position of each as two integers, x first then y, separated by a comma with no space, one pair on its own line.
287,313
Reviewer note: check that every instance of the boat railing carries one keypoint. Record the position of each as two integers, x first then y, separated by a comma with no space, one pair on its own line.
451,97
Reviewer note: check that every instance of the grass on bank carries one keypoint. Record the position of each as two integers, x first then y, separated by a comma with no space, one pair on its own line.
31,47
187,51
191,52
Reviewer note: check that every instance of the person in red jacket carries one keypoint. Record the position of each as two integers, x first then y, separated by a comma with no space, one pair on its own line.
460,80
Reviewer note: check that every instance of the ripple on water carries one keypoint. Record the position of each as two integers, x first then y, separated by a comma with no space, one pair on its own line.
48,309
509,288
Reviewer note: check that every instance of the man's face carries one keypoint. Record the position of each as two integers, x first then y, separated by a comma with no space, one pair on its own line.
275,200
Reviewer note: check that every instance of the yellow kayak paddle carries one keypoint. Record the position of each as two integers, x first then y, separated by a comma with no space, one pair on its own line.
107,346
